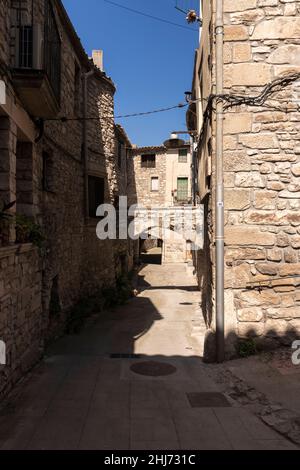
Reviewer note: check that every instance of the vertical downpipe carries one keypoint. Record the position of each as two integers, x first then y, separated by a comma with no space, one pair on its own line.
219,217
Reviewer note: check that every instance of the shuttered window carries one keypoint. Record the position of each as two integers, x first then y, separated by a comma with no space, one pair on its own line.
182,189
182,155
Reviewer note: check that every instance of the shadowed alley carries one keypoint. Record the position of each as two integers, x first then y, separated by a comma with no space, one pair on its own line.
85,395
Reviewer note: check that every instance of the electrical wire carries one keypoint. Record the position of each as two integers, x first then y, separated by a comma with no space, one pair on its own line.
230,99
96,118
132,10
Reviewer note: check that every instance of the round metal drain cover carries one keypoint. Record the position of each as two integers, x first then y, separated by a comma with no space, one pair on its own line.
153,369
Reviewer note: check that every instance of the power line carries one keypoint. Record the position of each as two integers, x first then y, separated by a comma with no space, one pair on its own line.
149,16
96,118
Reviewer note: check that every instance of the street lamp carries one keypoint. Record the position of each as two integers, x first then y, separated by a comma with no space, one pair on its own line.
188,96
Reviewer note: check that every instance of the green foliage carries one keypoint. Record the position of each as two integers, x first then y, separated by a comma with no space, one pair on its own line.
119,294
246,348
28,231
84,308
106,298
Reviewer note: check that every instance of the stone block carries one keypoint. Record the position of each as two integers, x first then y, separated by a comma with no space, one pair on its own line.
241,52
255,298
269,269
289,54
289,195
237,277
296,170
230,142
236,161
274,255
261,141
262,217
277,28
275,186
250,74
235,123
242,236
295,242
289,269
237,199
234,254
238,5
290,255
248,18
235,33
249,180
276,328
287,313
250,329
253,314
265,199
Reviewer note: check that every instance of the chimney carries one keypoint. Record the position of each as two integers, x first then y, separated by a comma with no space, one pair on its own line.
98,59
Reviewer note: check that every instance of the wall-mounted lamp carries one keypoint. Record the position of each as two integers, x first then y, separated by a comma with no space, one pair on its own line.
188,96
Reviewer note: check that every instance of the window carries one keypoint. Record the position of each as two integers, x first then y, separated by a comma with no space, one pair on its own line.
154,184
182,189
96,194
148,161
52,49
182,155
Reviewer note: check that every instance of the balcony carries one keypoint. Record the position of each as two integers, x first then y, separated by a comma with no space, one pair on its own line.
36,93
36,74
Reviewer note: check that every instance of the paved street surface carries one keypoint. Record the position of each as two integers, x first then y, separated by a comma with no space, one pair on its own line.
81,397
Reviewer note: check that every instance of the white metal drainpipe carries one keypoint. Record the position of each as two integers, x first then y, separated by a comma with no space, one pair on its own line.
86,76
219,195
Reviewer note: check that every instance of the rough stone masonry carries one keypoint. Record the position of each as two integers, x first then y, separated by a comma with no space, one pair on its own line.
261,170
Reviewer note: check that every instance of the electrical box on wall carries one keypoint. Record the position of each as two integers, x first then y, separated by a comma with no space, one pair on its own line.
2,92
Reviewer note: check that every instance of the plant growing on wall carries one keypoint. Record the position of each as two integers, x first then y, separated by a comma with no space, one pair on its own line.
5,219
27,231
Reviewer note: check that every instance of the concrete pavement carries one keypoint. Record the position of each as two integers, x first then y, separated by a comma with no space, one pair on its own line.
85,396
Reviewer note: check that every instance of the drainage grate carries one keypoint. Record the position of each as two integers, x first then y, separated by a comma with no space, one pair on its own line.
208,400
125,356
153,369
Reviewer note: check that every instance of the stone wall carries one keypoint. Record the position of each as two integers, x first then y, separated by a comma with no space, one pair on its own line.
261,172
21,325
47,180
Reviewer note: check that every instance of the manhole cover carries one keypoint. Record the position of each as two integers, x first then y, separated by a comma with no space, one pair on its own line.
153,369
208,400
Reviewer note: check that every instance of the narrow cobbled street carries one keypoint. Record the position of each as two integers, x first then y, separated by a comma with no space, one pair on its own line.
89,392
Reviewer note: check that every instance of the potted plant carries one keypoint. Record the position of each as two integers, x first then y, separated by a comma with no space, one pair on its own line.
5,219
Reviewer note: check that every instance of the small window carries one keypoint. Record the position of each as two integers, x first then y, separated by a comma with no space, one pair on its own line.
148,161
96,194
154,184
182,155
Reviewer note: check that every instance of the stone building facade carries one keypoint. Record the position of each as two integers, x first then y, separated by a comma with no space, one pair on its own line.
261,170
166,166
58,168
161,177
